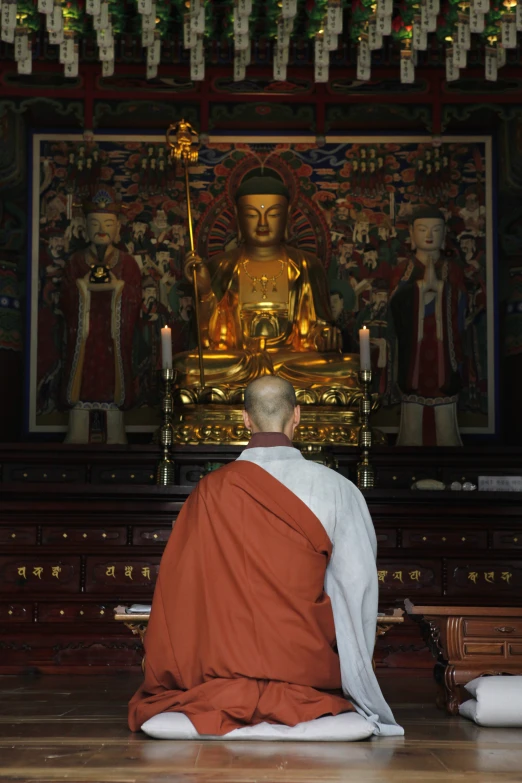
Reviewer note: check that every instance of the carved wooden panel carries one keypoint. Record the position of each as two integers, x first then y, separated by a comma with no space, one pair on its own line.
423,538
76,533
419,577
60,649
35,575
111,574
123,652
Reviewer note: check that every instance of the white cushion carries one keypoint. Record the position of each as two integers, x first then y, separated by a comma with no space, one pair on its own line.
468,709
347,727
497,702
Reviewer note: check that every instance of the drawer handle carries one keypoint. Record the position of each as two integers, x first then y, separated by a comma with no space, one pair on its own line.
505,629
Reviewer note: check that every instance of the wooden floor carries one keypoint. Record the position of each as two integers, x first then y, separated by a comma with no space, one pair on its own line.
74,728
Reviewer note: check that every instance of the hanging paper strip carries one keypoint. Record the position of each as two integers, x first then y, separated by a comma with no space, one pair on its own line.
414,26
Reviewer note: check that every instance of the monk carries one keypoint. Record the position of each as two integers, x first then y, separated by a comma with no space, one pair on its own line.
264,614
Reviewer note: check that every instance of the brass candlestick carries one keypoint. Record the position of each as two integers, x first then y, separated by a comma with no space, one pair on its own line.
165,470
365,474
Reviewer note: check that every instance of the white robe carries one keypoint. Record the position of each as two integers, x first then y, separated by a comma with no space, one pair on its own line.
351,575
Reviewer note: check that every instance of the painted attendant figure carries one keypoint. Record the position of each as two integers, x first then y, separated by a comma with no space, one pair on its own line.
101,301
428,308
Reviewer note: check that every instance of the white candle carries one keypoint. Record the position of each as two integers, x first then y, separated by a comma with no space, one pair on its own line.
166,348
364,349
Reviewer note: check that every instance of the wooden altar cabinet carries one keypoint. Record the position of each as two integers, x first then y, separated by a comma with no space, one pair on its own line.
82,531
469,642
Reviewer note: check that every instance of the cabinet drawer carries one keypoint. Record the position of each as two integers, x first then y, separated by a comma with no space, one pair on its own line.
84,535
473,578
413,577
131,475
151,535
119,575
402,478
40,574
16,613
190,474
500,627
75,612
17,535
507,539
386,539
45,473
484,648
420,539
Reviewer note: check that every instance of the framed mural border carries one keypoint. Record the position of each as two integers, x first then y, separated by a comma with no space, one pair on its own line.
34,430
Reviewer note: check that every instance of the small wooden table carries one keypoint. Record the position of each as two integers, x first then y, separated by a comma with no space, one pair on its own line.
468,642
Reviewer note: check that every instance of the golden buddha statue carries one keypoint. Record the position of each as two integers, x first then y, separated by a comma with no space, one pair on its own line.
264,308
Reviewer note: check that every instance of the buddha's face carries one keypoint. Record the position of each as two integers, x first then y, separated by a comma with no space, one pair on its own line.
102,228
262,219
428,233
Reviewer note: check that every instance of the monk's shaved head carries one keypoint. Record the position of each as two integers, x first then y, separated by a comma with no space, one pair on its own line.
270,403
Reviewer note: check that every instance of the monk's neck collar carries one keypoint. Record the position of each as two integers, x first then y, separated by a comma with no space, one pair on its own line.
269,439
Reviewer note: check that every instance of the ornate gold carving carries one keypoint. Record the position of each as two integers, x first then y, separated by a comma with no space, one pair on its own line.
263,280
221,421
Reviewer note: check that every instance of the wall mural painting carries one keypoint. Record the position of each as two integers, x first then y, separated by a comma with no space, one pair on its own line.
352,202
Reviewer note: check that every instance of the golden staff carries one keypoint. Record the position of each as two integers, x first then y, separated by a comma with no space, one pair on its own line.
184,145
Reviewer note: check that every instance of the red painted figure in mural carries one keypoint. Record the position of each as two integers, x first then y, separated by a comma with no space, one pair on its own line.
428,306
101,301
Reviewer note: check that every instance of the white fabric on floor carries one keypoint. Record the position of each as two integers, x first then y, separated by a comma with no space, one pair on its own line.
497,701
351,576
348,727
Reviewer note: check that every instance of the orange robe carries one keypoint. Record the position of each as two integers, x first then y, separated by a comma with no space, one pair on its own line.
241,630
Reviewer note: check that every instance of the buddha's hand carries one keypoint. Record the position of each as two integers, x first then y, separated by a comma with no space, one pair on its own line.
326,337
195,262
